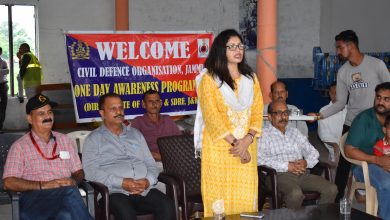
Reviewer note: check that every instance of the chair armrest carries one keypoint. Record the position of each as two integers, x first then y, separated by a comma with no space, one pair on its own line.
268,171
15,204
89,196
170,182
101,210
326,169
181,193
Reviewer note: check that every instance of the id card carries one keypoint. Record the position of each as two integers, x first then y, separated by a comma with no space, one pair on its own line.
64,155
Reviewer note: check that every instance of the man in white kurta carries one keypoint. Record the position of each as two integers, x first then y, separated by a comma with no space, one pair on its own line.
330,129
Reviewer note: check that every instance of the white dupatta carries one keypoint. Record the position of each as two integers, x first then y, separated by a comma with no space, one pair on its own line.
244,101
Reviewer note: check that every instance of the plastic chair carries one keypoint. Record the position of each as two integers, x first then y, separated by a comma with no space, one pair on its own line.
102,211
177,156
371,196
6,140
275,195
78,138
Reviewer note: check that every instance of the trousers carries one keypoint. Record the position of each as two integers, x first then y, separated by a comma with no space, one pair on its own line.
292,186
342,172
127,206
3,102
380,179
64,203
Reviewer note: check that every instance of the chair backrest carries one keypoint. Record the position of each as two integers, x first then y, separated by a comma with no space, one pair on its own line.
177,155
78,138
371,196
342,143
6,140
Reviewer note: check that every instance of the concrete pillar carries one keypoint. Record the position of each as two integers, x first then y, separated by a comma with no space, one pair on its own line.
266,58
122,15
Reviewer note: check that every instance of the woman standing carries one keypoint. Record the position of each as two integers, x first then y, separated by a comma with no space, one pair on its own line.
230,113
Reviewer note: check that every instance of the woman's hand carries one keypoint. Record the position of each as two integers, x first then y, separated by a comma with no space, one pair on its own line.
241,146
246,158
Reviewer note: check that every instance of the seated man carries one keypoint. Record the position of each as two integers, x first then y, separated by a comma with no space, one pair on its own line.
279,92
118,157
365,131
286,150
44,166
330,129
152,124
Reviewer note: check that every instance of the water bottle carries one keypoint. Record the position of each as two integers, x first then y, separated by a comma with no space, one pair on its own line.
345,206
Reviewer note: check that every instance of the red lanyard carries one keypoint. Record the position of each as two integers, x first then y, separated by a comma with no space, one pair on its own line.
40,152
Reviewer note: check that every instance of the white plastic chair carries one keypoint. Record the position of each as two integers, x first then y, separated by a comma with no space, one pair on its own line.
78,138
371,196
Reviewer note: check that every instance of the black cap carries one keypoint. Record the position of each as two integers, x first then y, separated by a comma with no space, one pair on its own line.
36,102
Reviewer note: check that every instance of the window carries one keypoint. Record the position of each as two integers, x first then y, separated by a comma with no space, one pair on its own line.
17,26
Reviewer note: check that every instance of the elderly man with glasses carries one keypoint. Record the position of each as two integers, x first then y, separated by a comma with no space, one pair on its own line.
286,150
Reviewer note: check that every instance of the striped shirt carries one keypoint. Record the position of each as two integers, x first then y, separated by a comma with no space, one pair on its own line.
276,149
25,162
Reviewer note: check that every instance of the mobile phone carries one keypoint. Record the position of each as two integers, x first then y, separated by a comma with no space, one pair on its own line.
258,215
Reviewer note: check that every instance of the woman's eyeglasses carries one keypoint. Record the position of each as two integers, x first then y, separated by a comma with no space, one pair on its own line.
233,47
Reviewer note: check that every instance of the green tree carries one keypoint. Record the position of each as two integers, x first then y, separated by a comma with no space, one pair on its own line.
19,36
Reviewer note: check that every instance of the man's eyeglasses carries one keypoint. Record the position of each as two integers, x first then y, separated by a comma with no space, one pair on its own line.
115,109
280,113
233,47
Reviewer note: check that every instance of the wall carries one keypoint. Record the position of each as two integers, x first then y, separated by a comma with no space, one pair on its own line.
56,17
183,15
302,24
370,20
298,27
298,32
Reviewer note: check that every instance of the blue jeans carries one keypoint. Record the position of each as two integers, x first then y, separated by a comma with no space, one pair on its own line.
380,179
63,203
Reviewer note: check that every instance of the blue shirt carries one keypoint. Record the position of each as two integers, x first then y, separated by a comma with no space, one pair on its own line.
108,158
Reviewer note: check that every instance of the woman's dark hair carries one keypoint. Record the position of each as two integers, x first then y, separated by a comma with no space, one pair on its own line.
216,62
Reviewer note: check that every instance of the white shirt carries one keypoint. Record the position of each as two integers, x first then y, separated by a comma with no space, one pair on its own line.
3,70
300,125
330,128
276,149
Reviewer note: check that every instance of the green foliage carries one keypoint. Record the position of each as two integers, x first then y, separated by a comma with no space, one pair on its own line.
20,36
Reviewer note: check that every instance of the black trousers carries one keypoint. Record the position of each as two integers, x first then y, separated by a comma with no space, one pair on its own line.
125,207
3,102
342,172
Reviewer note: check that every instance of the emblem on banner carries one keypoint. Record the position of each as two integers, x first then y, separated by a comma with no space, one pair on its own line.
203,47
79,50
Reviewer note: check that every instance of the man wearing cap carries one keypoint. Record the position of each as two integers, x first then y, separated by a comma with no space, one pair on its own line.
45,168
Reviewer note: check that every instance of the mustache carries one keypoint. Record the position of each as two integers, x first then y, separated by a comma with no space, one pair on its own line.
47,120
119,116
283,120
